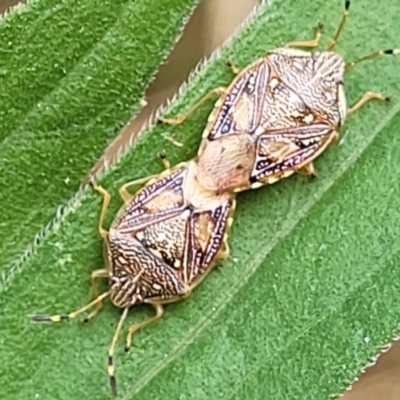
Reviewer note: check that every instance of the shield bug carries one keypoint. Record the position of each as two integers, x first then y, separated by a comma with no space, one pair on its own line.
288,106
163,242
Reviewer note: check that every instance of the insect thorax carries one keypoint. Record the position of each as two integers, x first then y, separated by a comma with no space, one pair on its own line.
226,163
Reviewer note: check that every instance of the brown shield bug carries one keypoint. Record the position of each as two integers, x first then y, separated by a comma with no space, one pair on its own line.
286,107
162,244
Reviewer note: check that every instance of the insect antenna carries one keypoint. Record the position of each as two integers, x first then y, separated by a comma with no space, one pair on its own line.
66,317
371,56
333,42
110,367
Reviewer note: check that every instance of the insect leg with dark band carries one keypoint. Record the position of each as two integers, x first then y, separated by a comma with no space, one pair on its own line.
110,367
236,70
365,98
72,315
308,170
333,42
371,56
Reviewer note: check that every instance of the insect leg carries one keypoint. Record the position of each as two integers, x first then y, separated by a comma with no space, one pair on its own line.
110,367
106,202
123,190
172,140
64,317
100,273
163,156
333,42
307,43
224,251
308,170
199,278
236,70
371,56
365,98
180,118
134,328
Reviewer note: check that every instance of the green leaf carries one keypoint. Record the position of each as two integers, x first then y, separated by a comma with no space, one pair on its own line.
310,292
71,75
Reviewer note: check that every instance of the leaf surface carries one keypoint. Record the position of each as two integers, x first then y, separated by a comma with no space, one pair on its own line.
310,292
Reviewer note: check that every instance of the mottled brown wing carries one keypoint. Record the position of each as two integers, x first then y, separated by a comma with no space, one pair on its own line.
285,109
205,237
290,134
283,151
142,271
155,202
240,109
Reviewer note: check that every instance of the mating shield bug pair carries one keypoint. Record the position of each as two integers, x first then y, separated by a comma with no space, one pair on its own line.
274,119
